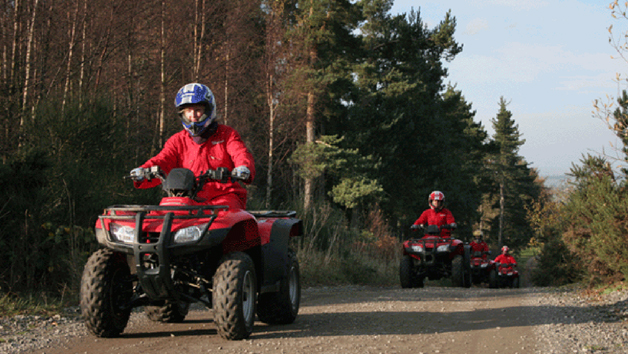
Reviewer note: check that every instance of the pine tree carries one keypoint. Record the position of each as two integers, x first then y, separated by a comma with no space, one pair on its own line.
514,187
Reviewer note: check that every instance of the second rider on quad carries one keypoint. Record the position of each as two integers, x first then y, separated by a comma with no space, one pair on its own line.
434,254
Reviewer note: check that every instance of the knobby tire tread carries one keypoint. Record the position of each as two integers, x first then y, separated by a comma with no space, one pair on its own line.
105,280
227,296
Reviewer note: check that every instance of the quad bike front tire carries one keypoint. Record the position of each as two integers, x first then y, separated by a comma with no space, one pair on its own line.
169,312
466,269
282,307
492,279
407,275
458,272
106,289
515,283
234,296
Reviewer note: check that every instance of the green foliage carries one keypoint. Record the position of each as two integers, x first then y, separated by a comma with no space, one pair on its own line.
397,113
514,184
556,265
331,253
57,184
351,191
347,167
597,228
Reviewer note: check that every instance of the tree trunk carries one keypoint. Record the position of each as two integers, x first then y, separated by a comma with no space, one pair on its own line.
83,48
271,131
68,72
501,215
225,115
199,36
162,58
16,30
308,192
29,48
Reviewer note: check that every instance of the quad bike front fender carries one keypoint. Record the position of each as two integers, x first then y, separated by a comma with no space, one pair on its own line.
275,233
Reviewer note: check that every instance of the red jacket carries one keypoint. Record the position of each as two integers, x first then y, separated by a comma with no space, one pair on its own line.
479,247
224,148
440,218
505,258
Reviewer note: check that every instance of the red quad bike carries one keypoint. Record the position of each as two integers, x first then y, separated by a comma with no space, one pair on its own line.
165,257
434,257
481,267
504,275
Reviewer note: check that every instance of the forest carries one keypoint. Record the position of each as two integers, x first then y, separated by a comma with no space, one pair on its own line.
347,109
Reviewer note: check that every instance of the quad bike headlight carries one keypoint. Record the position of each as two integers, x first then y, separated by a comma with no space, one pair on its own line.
189,234
122,233
442,248
417,248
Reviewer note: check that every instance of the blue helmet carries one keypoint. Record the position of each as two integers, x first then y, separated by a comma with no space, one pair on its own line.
196,94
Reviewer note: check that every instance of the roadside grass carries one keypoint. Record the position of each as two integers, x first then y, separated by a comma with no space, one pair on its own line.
526,254
319,269
36,304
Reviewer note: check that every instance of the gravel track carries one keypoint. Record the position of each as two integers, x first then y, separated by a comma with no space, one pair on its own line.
562,321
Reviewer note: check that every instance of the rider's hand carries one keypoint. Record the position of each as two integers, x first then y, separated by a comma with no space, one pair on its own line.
453,225
414,227
241,172
137,174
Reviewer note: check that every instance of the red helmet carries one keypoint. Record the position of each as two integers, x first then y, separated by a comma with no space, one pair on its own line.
436,195
505,249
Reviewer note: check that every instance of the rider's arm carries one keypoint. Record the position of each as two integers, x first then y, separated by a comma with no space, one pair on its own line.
239,153
167,159
422,220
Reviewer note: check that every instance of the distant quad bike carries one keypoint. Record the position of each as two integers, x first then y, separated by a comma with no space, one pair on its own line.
165,257
434,257
504,275
481,267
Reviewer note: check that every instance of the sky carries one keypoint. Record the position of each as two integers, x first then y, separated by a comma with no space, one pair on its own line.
551,59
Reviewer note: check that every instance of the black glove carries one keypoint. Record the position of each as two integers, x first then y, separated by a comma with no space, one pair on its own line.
415,227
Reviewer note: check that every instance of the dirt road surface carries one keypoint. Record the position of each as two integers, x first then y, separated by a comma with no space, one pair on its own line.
351,319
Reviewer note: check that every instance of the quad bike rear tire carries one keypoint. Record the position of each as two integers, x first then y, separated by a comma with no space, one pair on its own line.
234,296
492,279
106,289
282,307
407,275
515,283
169,312
457,271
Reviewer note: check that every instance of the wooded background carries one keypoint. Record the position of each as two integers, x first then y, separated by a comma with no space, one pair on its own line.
344,106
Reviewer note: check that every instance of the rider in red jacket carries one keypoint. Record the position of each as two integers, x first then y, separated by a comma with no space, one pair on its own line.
478,245
203,144
505,257
437,214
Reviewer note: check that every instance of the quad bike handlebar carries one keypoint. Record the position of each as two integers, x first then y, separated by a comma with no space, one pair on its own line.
451,226
181,181
221,174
